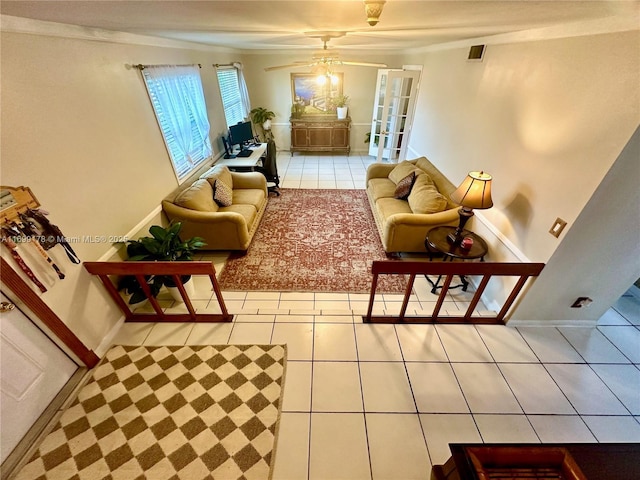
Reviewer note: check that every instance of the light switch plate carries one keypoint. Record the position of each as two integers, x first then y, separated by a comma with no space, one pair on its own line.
557,227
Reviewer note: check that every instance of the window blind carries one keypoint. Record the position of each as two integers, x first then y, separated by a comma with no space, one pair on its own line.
234,111
178,102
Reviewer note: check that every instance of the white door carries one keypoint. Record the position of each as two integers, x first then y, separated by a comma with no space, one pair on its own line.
33,370
396,93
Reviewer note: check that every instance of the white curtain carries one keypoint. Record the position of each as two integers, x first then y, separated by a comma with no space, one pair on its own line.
177,91
244,92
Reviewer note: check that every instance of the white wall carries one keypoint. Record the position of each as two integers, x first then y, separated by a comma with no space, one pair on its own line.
548,119
79,130
600,256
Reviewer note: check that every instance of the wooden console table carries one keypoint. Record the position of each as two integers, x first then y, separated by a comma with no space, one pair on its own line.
320,133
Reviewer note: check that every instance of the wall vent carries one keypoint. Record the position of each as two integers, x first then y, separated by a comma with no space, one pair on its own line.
476,53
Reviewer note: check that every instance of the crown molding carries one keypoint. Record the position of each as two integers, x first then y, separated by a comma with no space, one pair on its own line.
613,24
30,26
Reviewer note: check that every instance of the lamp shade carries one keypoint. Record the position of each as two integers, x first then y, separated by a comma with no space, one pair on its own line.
474,191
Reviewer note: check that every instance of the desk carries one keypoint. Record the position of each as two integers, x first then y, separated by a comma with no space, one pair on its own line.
437,241
245,163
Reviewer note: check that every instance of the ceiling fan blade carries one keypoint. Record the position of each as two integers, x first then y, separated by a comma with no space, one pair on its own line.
290,65
364,64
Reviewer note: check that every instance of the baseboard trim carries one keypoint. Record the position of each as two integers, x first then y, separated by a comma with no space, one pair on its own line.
552,323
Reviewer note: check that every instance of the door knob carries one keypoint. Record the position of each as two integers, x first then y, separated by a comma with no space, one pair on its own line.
6,307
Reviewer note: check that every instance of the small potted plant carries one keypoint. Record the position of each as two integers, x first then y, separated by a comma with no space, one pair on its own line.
297,110
340,102
164,244
261,116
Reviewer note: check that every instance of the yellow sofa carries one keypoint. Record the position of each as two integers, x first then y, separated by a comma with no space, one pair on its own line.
228,227
403,223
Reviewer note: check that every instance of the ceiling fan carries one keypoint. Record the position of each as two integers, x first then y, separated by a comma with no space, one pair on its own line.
322,61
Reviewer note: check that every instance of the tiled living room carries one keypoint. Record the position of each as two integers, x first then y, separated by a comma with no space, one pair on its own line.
550,110
384,401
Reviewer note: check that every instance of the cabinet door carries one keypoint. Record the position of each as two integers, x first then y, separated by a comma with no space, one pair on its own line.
320,137
340,137
299,137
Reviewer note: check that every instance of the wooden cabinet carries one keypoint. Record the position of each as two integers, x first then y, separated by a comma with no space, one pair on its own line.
320,134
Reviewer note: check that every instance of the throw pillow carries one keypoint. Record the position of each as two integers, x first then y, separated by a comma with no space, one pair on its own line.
404,186
198,196
222,193
425,197
401,170
221,172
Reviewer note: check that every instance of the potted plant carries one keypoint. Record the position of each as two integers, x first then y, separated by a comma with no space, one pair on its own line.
297,110
340,102
261,116
164,244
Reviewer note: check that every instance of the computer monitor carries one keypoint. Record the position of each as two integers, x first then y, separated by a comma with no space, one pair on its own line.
240,133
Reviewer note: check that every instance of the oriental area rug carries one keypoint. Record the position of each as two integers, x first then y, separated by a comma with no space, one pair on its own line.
170,412
312,241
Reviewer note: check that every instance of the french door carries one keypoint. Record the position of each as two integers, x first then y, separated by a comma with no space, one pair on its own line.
396,92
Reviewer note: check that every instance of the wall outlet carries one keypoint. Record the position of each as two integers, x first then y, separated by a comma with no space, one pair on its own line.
582,302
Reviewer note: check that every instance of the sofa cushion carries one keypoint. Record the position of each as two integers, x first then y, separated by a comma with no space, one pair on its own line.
198,196
381,188
401,170
221,172
425,197
222,193
403,189
248,196
390,206
249,212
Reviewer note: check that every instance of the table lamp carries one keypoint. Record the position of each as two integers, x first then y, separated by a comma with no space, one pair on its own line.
473,192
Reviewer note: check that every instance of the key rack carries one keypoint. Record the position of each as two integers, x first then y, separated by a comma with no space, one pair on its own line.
14,201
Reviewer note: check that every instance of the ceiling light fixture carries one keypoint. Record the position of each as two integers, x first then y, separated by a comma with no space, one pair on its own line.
373,9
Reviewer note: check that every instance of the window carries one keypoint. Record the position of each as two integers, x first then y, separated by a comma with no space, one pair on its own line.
178,101
233,92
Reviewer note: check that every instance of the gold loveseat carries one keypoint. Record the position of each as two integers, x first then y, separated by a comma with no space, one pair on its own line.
403,223
200,208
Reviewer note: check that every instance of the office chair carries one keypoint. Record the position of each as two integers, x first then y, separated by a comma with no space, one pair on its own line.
270,168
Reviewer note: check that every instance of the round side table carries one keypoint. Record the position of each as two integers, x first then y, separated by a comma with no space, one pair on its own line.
437,241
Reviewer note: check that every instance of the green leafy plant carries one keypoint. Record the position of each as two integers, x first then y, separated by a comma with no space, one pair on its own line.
164,244
340,100
259,115
297,110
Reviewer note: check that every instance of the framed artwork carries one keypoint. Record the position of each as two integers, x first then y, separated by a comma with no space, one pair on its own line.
315,95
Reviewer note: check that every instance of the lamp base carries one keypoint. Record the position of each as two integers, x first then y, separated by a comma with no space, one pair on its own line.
456,237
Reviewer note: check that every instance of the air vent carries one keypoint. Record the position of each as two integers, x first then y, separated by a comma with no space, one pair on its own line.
476,52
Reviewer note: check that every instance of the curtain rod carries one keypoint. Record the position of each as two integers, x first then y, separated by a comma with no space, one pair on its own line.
142,67
218,65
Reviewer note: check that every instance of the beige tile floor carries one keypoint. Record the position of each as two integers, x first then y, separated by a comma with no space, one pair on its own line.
383,401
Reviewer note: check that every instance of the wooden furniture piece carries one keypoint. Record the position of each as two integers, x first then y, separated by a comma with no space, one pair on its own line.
320,133
438,241
568,461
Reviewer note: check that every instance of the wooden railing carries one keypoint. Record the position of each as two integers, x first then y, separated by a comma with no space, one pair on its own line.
485,270
103,270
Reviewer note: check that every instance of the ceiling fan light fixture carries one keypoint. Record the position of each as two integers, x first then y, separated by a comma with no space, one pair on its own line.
373,9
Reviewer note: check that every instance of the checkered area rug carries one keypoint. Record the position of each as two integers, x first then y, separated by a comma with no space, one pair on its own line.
173,412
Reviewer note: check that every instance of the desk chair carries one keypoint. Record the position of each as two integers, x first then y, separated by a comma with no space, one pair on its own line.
270,168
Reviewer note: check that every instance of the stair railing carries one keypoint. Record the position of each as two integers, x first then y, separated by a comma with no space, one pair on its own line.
447,270
106,270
